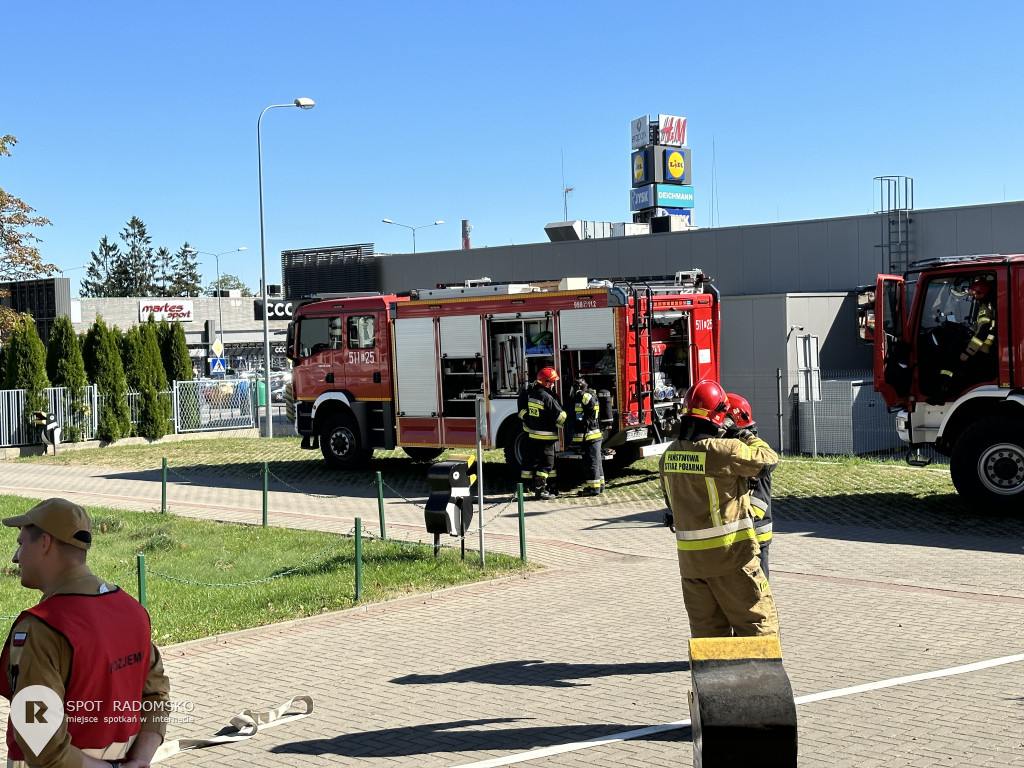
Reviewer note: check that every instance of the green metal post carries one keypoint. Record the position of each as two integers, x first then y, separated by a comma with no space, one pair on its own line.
359,558
380,505
266,482
163,489
522,524
141,559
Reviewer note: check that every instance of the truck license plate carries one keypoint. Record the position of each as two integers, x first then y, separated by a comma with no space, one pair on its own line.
636,434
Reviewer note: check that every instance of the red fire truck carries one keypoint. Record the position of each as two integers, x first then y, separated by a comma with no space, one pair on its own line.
406,371
949,358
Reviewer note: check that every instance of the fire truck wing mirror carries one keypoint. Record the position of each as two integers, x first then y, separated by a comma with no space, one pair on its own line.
866,313
866,325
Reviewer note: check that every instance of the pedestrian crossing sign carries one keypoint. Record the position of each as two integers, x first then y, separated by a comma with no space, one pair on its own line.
218,366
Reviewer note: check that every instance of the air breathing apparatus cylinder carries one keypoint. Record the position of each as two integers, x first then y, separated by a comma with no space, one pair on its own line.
606,414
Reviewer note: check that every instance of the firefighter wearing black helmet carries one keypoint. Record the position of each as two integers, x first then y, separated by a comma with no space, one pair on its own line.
587,436
705,479
542,417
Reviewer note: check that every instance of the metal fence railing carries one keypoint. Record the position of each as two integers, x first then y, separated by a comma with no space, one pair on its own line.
194,406
17,428
213,404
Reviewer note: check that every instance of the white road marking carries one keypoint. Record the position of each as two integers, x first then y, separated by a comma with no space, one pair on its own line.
536,754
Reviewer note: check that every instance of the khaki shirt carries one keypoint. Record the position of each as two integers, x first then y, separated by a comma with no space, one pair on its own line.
45,659
707,487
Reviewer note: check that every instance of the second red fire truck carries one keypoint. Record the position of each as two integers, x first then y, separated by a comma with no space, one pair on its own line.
389,371
949,359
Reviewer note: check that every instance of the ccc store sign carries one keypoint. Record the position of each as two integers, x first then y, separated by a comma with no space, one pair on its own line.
276,310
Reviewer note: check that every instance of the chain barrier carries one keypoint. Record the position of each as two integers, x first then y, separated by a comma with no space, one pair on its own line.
512,499
171,470
385,484
306,493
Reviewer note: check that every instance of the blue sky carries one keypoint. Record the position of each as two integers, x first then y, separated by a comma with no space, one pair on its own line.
461,110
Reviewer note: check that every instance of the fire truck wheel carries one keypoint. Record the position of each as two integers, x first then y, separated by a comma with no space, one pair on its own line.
423,454
340,443
515,450
987,464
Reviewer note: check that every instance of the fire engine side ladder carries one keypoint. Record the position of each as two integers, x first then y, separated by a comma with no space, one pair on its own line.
646,326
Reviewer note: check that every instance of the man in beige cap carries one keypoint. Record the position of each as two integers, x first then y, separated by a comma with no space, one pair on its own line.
115,695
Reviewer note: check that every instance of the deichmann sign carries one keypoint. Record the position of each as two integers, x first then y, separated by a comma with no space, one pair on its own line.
674,197
166,309
276,310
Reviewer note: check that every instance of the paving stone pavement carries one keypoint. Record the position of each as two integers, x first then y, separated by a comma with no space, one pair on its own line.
594,644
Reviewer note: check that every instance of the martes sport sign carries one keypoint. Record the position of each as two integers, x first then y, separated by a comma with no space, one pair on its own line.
166,309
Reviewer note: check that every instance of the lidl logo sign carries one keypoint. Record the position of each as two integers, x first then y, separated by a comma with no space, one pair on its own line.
641,169
675,165
638,167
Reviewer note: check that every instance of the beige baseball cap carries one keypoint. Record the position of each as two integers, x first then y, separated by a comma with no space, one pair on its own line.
62,519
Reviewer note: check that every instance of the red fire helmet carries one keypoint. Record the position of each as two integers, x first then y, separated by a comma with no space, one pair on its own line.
547,376
739,411
706,400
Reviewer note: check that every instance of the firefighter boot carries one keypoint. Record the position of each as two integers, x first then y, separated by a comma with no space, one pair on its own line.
540,491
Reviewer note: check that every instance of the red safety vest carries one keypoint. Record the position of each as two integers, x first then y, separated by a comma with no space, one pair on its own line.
111,643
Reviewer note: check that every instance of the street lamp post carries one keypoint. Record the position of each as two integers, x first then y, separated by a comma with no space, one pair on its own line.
421,226
220,310
301,103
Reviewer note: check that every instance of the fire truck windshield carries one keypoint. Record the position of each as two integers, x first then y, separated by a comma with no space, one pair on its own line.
316,334
947,300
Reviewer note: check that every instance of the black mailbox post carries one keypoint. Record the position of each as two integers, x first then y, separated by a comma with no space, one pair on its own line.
450,507
51,430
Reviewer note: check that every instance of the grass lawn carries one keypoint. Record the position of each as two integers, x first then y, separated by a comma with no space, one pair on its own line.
292,573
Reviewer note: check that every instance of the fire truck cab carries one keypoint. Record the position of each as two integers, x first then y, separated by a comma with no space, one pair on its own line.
948,348
397,371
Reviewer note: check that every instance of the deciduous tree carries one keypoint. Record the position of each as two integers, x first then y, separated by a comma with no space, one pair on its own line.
228,283
19,256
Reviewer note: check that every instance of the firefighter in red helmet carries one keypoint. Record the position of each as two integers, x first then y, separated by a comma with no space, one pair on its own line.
542,417
705,477
741,418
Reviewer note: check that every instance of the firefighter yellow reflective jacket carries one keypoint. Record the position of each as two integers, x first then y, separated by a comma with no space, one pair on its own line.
707,486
